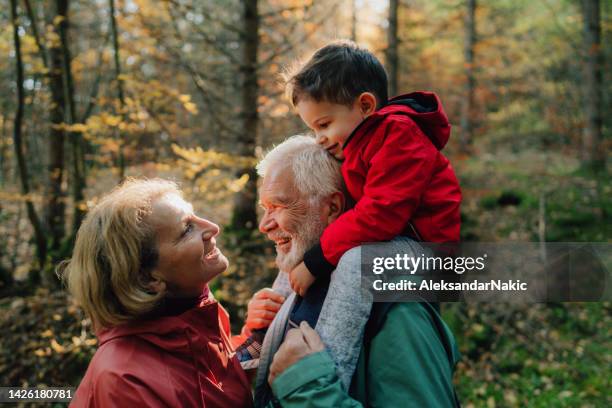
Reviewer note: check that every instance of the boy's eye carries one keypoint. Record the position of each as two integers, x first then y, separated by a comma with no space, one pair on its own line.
323,125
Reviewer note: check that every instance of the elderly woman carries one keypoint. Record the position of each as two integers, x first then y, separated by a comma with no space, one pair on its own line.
140,270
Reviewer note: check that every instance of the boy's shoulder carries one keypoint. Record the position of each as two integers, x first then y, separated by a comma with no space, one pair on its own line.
380,122
388,128
418,113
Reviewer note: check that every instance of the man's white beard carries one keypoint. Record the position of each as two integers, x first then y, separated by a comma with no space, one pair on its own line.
312,228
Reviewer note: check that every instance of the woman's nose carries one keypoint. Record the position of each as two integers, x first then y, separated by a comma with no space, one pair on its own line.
209,229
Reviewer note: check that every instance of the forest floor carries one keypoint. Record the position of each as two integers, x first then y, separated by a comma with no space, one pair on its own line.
537,355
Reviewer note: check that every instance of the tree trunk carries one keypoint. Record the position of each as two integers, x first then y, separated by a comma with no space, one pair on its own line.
354,20
76,138
34,27
245,216
55,206
3,147
392,49
39,235
467,108
120,94
6,275
593,155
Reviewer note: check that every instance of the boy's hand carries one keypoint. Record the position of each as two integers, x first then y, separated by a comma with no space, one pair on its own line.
262,308
301,279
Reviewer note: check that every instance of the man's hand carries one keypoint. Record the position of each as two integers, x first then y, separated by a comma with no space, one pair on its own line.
301,279
298,344
262,308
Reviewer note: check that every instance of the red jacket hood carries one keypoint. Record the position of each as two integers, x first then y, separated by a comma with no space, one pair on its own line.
425,109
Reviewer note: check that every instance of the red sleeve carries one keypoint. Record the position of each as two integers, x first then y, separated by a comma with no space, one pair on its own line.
238,339
399,173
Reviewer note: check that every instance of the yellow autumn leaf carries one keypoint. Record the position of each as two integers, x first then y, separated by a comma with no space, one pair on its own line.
112,120
191,107
58,348
77,128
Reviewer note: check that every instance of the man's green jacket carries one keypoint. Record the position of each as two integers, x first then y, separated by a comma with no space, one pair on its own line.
409,363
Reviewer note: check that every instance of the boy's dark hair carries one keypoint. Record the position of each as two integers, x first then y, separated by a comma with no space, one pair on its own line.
338,73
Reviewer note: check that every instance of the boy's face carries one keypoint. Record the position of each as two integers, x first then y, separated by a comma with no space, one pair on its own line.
332,123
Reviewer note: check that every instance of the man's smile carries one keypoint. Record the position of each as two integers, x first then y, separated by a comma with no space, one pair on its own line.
282,242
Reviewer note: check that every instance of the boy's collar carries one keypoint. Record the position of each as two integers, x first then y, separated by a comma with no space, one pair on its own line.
348,139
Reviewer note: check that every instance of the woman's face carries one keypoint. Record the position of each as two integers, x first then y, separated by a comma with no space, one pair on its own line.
188,256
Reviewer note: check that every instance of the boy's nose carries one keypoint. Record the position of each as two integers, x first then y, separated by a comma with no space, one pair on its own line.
321,139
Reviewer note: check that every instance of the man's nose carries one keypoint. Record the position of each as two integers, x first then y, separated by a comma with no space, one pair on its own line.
267,224
209,229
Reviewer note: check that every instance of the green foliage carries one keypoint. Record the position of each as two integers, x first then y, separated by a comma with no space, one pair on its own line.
553,355
533,355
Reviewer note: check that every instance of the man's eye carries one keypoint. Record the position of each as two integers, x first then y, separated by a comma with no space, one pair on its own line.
188,229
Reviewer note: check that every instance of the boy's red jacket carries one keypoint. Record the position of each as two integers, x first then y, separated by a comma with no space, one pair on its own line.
395,172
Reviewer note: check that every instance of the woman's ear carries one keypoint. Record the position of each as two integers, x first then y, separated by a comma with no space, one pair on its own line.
335,206
157,284
367,104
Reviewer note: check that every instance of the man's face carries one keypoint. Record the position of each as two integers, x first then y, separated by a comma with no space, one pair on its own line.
332,123
289,219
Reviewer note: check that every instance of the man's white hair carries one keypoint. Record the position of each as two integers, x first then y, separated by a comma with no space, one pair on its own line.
316,172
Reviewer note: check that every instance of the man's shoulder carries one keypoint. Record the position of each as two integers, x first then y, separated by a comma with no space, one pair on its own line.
391,316
418,327
405,364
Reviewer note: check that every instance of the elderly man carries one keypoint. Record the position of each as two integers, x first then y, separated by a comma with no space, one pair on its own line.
408,354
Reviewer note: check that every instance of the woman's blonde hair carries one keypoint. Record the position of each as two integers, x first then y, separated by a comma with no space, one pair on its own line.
115,251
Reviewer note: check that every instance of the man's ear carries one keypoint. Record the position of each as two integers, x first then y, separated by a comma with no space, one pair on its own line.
367,104
335,206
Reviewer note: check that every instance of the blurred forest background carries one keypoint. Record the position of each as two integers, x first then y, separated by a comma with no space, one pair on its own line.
92,91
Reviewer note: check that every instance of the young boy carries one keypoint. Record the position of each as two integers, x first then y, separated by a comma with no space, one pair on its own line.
392,165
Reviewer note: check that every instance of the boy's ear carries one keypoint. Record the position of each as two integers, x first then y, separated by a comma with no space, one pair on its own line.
367,103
